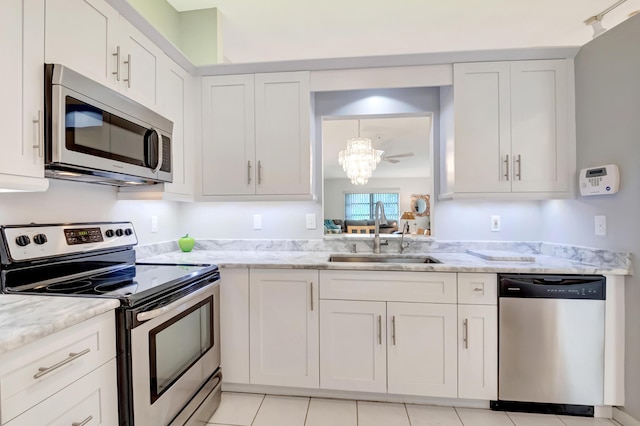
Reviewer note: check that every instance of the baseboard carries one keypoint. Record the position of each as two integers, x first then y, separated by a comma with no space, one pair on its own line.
623,418
361,396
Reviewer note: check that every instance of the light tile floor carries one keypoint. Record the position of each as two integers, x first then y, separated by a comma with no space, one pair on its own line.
242,409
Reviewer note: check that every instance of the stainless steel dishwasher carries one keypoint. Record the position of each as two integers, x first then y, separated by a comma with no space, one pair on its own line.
551,343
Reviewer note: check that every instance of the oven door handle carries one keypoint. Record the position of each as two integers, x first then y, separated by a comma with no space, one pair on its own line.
180,305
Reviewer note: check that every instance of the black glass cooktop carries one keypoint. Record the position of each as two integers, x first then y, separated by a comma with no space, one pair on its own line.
129,283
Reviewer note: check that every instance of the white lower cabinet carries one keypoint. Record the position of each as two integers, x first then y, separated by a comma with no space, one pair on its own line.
63,378
283,327
92,400
421,350
477,336
402,333
388,345
353,345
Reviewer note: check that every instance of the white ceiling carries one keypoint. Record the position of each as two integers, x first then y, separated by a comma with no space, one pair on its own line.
276,30
393,135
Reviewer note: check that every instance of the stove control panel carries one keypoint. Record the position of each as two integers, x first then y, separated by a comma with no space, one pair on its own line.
29,242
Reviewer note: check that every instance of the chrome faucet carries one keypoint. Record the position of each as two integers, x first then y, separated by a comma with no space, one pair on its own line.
405,229
379,218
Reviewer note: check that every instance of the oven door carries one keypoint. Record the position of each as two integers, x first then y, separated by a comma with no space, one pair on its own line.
174,351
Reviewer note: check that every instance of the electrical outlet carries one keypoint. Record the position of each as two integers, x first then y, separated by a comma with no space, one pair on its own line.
495,223
154,223
601,226
257,221
311,221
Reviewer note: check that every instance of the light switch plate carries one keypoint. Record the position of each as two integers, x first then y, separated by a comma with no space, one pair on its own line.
311,221
601,225
495,223
154,223
257,221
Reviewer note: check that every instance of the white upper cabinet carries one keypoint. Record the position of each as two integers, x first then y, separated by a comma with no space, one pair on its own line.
103,46
21,107
256,136
506,130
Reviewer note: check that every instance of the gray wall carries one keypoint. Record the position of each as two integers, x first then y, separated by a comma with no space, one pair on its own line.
608,131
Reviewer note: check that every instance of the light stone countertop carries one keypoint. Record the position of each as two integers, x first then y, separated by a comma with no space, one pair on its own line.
451,262
24,319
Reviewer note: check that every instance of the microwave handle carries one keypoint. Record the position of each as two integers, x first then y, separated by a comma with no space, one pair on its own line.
159,139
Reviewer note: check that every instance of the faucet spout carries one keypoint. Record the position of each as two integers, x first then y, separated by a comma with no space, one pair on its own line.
405,229
379,218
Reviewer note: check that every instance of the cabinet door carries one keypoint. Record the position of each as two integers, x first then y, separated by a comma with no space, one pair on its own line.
228,141
353,345
539,134
234,324
482,127
22,35
139,66
283,133
83,35
177,93
284,327
477,352
422,349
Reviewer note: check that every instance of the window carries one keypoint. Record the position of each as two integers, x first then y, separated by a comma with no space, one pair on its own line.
361,206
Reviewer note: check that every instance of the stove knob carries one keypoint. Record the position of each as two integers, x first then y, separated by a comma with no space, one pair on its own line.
119,232
22,240
109,233
40,239
128,231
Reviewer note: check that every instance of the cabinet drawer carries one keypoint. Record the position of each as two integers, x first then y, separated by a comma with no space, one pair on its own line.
92,399
388,286
68,355
477,289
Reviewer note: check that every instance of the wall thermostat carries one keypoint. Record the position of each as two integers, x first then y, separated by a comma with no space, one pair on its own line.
600,180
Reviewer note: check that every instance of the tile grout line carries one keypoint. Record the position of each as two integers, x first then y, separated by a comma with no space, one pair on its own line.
306,416
259,407
407,411
458,414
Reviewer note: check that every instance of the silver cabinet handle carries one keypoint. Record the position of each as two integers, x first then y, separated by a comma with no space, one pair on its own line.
82,423
72,357
117,71
477,289
393,329
248,172
128,79
311,291
259,172
465,333
506,167
40,144
380,329
519,161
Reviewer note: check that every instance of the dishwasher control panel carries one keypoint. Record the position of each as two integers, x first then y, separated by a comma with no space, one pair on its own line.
587,287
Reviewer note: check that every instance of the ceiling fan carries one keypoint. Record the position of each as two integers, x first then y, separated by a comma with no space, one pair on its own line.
392,158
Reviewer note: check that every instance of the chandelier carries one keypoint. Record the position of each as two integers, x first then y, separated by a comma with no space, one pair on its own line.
359,160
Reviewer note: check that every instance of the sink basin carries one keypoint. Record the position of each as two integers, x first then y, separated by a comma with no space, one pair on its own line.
383,259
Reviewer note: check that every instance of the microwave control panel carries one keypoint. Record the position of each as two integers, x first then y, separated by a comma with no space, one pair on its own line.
599,180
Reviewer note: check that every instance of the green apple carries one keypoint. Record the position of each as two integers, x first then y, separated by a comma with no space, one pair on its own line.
186,243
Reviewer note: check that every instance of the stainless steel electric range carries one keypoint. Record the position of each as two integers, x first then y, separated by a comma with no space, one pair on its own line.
167,323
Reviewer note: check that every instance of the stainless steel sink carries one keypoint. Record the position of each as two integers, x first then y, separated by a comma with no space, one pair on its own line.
382,259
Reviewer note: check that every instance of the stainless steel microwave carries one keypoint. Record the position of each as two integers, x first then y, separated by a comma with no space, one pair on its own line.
95,134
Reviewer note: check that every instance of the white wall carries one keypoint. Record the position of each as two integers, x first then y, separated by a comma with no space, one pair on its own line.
81,202
608,131
280,220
